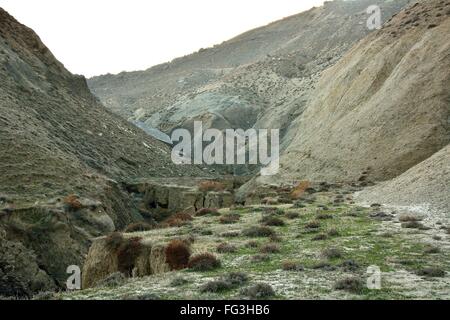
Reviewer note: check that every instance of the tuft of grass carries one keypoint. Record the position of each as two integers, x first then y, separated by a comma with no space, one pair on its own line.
273,221
408,218
332,253
323,216
291,266
350,284
292,215
229,218
177,254
432,272
252,244
226,248
412,225
215,286
204,262
333,232
313,225
259,291
270,248
258,231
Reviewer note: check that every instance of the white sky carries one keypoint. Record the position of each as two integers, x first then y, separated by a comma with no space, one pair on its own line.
93,37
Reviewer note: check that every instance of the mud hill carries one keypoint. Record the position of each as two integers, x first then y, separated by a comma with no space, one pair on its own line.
261,78
60,150
384,107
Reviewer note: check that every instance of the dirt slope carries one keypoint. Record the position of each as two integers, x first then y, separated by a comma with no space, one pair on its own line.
384,107
56,139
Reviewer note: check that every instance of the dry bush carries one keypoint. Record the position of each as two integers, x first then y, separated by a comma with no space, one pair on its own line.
270,248
138,227
272,221
226,248
408,218
292,215
215,286
351,284
204,262
259,291
252,244
127,254
72,202
177,254
332,253
229,218
207,211
300,189
291,266
258,231
269,201
207,186
177,220
313,225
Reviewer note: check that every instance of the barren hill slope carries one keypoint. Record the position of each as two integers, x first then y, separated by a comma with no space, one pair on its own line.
261,78
384,107
56,140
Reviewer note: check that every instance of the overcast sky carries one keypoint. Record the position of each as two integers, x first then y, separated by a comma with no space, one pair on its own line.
93,37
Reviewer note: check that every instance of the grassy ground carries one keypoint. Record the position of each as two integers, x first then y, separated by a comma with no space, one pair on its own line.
341,244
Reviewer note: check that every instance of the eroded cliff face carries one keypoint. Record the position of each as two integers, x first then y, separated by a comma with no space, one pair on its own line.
383,108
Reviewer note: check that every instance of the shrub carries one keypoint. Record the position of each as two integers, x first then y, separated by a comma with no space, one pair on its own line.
178,281
259,291
127,253
204,262
291,266
324,216
333,232
351,284
272,221
313,225
207,186
138,227
320,237
230,234
258,231
177,220
236,278
215,286
270,248
207,211
332,253
177,254
260,258
431,272
72,202
430,249
412,225
226,248
408,218
300,189
298,205
275,238
229,218
292,215
252,244
114,240
350,265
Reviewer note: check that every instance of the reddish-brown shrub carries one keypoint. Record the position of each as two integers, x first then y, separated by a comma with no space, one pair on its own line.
206,186
127,254
114,240
204,262
207,211
72,202
177,254
300,189
229,218
177,220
